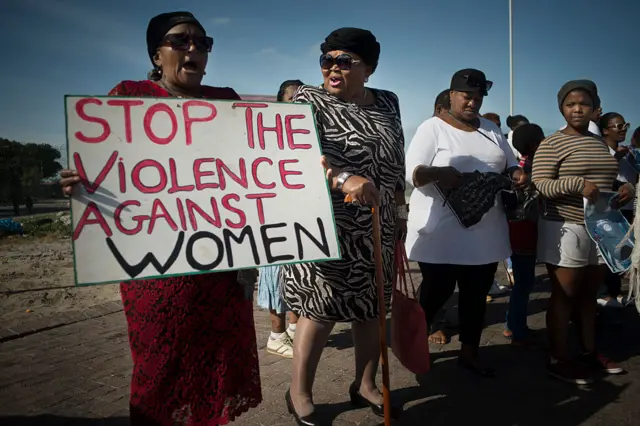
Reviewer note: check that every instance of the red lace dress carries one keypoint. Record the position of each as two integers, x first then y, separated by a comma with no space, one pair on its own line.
192,338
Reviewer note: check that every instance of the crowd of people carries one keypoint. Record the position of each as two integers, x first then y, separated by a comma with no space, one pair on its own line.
193,338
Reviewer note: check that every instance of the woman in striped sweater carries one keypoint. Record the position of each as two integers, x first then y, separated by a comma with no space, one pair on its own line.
571,164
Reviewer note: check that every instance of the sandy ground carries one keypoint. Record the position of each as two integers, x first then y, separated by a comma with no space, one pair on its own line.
36,279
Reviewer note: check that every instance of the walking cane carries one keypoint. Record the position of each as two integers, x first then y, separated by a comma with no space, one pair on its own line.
382,309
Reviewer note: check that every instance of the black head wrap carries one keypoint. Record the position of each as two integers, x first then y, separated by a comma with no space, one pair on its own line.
596,102
160,25
526,138
586,85
355,40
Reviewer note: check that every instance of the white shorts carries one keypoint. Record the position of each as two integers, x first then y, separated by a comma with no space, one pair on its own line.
566,244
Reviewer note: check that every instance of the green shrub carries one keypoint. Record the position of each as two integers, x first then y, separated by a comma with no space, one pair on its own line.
50,224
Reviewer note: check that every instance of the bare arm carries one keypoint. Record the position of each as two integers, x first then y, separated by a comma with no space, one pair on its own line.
420,154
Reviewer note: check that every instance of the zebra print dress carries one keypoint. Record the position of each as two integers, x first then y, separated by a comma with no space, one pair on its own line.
367,141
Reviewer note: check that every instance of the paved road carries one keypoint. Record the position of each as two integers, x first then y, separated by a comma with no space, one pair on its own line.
79,375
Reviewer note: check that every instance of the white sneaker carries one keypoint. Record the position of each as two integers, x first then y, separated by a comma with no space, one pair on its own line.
291,333
282,346
611,303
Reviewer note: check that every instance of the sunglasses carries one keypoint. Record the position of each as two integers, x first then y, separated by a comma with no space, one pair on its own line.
343,61
473,81
183,41
620,126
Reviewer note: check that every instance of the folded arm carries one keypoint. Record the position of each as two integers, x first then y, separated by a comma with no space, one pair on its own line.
546,164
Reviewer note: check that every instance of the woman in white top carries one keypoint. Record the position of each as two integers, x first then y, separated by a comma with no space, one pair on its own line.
442,149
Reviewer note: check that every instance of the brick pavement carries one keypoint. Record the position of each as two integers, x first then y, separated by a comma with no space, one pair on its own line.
22,328
79,375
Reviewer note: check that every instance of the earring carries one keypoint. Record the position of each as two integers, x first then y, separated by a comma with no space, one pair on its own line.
366,80
204,73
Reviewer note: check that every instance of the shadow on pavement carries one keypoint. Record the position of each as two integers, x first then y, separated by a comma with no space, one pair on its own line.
343,339
522,394
496,312
448,316
52,420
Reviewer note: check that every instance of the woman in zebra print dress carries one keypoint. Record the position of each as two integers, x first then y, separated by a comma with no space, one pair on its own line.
363,144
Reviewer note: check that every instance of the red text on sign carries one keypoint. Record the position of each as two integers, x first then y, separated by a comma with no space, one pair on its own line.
194,111
208,173
277,128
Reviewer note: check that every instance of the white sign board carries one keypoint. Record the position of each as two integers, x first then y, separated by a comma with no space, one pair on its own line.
178,187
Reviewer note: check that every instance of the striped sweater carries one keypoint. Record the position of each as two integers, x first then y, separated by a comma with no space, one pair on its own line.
561,165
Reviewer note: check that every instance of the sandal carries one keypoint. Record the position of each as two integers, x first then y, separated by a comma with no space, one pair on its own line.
438,337
526,342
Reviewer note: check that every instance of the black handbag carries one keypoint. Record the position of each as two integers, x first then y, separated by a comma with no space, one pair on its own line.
520,205
475,195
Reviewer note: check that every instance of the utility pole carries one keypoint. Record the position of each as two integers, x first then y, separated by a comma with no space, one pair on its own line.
510,57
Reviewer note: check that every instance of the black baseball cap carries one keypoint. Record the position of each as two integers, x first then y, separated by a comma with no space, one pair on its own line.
470,80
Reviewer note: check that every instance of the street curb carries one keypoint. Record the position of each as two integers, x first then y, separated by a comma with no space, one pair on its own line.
38,325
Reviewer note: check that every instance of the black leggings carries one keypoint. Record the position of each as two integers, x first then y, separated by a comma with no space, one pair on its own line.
474,283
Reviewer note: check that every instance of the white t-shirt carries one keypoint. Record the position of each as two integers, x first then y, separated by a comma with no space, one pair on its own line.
626,173
593,128
434,234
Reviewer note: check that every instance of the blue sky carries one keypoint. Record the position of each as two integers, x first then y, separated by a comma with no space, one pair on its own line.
58,47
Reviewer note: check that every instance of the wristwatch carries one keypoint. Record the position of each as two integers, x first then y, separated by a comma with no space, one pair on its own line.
342,178
402,212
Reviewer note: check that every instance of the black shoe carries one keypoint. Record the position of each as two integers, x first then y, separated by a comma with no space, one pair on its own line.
475,369
359,401
310,420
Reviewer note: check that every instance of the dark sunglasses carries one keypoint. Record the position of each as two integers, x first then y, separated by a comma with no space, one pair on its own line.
183,41
473,81
343,61
620,126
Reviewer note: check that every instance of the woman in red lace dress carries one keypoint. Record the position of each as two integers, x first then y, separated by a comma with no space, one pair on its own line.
192,338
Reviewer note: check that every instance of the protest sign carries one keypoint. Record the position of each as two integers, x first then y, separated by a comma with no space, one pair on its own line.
188,186
609,229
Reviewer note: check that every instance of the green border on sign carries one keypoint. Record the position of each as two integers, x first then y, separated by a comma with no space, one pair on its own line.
69,163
